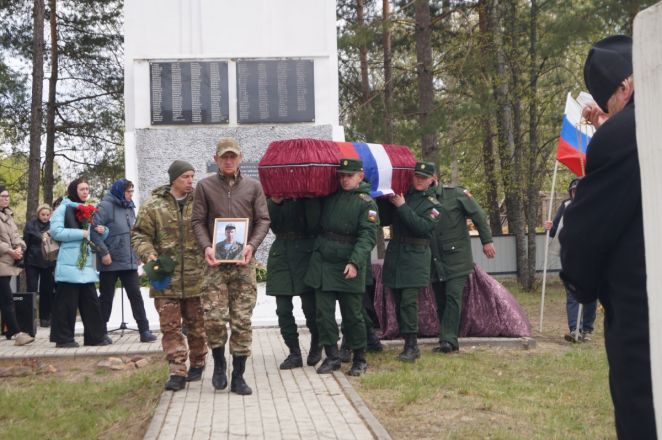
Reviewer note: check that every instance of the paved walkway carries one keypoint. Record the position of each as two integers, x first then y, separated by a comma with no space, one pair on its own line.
285,404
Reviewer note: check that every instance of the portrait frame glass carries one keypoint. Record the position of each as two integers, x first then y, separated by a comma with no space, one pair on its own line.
235,229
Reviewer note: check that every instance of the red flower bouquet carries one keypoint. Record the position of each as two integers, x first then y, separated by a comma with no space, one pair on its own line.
84,214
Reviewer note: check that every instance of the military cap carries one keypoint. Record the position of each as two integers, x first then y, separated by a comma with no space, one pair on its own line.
160,268
608,63
350,166
425,169
225,145
230,226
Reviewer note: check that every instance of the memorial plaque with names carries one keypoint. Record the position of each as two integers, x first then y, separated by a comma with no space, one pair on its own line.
271,91
189,92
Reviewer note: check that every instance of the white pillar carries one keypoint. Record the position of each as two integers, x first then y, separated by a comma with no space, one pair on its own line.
647,59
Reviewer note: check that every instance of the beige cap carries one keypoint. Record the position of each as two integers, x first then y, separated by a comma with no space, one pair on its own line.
227,144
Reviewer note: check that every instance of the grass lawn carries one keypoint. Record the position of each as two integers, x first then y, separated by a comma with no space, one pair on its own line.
80,401
557,390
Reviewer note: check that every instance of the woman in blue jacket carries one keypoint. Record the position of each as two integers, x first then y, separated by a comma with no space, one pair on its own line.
75,287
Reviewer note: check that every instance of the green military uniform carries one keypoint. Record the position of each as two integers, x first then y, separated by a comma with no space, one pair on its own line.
406,264
295,223
229,251
452,260
349,225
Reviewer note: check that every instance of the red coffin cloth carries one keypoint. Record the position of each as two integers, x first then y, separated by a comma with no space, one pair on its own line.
300,168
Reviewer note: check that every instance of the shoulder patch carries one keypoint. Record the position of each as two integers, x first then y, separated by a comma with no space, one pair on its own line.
372,216
365,197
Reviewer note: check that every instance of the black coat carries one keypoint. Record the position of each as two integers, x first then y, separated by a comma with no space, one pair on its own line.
32,234
602,256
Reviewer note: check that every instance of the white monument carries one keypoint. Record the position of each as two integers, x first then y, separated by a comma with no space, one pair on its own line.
199,70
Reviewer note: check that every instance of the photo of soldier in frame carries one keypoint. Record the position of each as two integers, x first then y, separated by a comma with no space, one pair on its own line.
230,236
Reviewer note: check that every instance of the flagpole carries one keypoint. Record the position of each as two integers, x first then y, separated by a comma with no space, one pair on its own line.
544,270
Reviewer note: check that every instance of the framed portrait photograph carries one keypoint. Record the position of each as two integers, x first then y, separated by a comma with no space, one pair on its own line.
230,237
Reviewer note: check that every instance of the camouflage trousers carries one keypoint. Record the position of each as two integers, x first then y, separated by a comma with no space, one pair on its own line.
171,312
229,293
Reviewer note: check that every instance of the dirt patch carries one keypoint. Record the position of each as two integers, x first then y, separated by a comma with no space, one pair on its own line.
72,370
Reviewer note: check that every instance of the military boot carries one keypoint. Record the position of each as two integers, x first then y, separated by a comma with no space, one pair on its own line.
411,351
315,352
331,362
359,364
294,359
374,344
238,384
345,352
219,379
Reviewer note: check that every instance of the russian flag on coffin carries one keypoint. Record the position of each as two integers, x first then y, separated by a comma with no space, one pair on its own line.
575,136
299,168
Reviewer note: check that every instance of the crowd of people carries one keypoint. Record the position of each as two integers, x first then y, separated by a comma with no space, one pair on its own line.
322,254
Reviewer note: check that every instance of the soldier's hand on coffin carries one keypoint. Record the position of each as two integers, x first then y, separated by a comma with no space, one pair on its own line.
247,254
210,257
397,199
277,200
350,271
489,250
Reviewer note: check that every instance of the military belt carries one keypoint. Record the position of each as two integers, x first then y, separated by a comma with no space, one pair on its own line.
290,236
413,240
340,237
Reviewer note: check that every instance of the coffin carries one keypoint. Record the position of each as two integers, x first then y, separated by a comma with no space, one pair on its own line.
300,168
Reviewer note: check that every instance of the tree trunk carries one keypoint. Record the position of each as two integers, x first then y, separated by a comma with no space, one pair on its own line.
363,54
423,33
49,179
36,116
533,188
388,83
506,136
489,162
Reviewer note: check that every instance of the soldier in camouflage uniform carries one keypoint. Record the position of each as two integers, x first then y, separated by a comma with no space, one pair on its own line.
229,249
163,227
296,224
452,261
230,289
337,269
407,261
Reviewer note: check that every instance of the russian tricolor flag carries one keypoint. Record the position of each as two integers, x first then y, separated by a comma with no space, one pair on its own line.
377,165
574,139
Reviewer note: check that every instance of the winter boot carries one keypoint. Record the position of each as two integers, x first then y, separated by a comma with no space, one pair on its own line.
359,364
194,374
374,344
175,383
219,379
315,352
294,359
238,384
345,354
411,351
331,362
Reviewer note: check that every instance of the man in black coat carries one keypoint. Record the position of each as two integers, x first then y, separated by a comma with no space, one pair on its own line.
602,241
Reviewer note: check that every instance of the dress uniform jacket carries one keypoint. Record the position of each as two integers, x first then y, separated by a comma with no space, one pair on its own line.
349,225
406,263
295,223
603,256
451,245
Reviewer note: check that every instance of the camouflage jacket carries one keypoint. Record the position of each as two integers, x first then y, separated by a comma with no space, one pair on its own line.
162,229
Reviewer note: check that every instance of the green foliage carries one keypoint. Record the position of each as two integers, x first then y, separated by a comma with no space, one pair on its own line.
261,272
